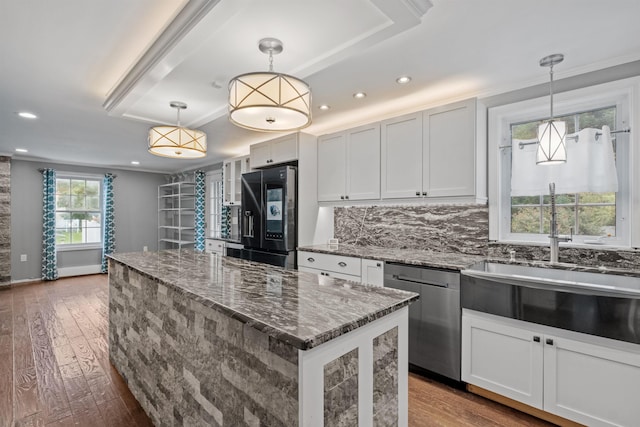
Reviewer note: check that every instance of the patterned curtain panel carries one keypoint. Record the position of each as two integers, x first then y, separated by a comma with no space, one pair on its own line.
109,231
200,219
225,213
49,258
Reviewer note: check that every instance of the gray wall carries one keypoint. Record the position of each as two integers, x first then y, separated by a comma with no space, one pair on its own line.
136,216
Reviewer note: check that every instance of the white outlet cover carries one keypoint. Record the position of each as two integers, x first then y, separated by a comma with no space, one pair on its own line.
23,257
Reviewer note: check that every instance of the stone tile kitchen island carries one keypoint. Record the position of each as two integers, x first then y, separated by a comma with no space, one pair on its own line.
206,340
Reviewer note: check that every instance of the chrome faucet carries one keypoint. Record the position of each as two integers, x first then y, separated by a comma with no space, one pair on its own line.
554,237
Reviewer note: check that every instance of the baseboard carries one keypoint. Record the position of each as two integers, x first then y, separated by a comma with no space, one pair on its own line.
80,270
538,413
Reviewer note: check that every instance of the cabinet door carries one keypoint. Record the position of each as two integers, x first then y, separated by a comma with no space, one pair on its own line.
503,359
331,167
284,149
401,141
449,150
373,272
591,384
237,181
363,163
260,154
227,182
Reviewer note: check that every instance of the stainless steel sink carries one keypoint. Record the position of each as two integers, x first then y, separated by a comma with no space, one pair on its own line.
606,305
554,278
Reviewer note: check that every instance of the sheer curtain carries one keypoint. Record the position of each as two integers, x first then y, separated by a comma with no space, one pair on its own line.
109,230
200,215
49,257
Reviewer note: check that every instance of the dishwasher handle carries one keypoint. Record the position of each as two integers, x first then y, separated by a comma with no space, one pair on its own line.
404,278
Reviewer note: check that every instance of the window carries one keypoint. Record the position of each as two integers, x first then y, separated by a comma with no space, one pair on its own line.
588,214
214,204
78,211
602,218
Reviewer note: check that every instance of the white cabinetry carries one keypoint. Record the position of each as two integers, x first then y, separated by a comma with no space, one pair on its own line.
449,150
591,380
176,203
367,271
342,267
232,171
215,246
401,171
372,272
279,150
349,164
431,153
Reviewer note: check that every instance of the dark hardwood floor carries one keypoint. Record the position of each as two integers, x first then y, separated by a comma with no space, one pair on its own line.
55,370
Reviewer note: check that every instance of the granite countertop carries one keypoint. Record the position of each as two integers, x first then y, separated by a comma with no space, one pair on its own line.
301,309
446,260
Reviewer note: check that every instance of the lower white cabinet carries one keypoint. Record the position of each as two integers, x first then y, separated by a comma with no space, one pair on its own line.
565,373
372,272
342,267
215,246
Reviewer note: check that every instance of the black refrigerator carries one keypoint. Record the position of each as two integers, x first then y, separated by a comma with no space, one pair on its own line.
268,216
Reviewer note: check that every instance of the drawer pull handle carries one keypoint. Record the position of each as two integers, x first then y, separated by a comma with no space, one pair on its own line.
342,264
311,259
378,265
417,193
549,341
536,339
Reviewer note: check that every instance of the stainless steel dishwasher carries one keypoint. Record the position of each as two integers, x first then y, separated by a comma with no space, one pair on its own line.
434,320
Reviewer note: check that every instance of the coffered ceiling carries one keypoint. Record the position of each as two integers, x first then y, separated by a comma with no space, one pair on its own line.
98,74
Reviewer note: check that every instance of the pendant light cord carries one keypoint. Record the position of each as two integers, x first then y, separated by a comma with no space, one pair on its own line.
551,89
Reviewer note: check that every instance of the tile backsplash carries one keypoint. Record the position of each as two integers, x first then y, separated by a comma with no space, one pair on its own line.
459,229
440,228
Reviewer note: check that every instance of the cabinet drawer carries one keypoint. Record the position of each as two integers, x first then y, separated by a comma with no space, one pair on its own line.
215,246
331,263
330,274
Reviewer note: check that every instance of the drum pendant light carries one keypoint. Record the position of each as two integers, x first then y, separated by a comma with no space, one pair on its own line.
551,144
269,101
177,142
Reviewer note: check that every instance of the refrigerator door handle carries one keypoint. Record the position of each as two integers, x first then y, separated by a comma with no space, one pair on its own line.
248,224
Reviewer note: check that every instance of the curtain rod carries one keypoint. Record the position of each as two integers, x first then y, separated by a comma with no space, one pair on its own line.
79,174
521,145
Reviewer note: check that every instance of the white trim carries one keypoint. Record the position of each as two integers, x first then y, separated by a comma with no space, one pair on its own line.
79,247
623,94
85,176
311,370
80,270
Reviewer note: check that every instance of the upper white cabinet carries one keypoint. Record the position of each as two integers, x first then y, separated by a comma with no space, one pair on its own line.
279,150
232,171
449,150
401,170
349,164
431,153
591,380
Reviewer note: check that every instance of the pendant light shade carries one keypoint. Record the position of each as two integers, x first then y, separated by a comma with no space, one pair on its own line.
551,145
269,101
177,142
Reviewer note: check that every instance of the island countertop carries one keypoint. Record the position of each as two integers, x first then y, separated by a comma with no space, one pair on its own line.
301,309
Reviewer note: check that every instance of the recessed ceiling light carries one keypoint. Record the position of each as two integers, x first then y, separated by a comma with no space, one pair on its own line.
22,150
27,115
135,162
324,107
359,95
403,80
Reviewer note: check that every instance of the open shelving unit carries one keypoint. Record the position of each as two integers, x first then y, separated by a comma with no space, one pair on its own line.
176,215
